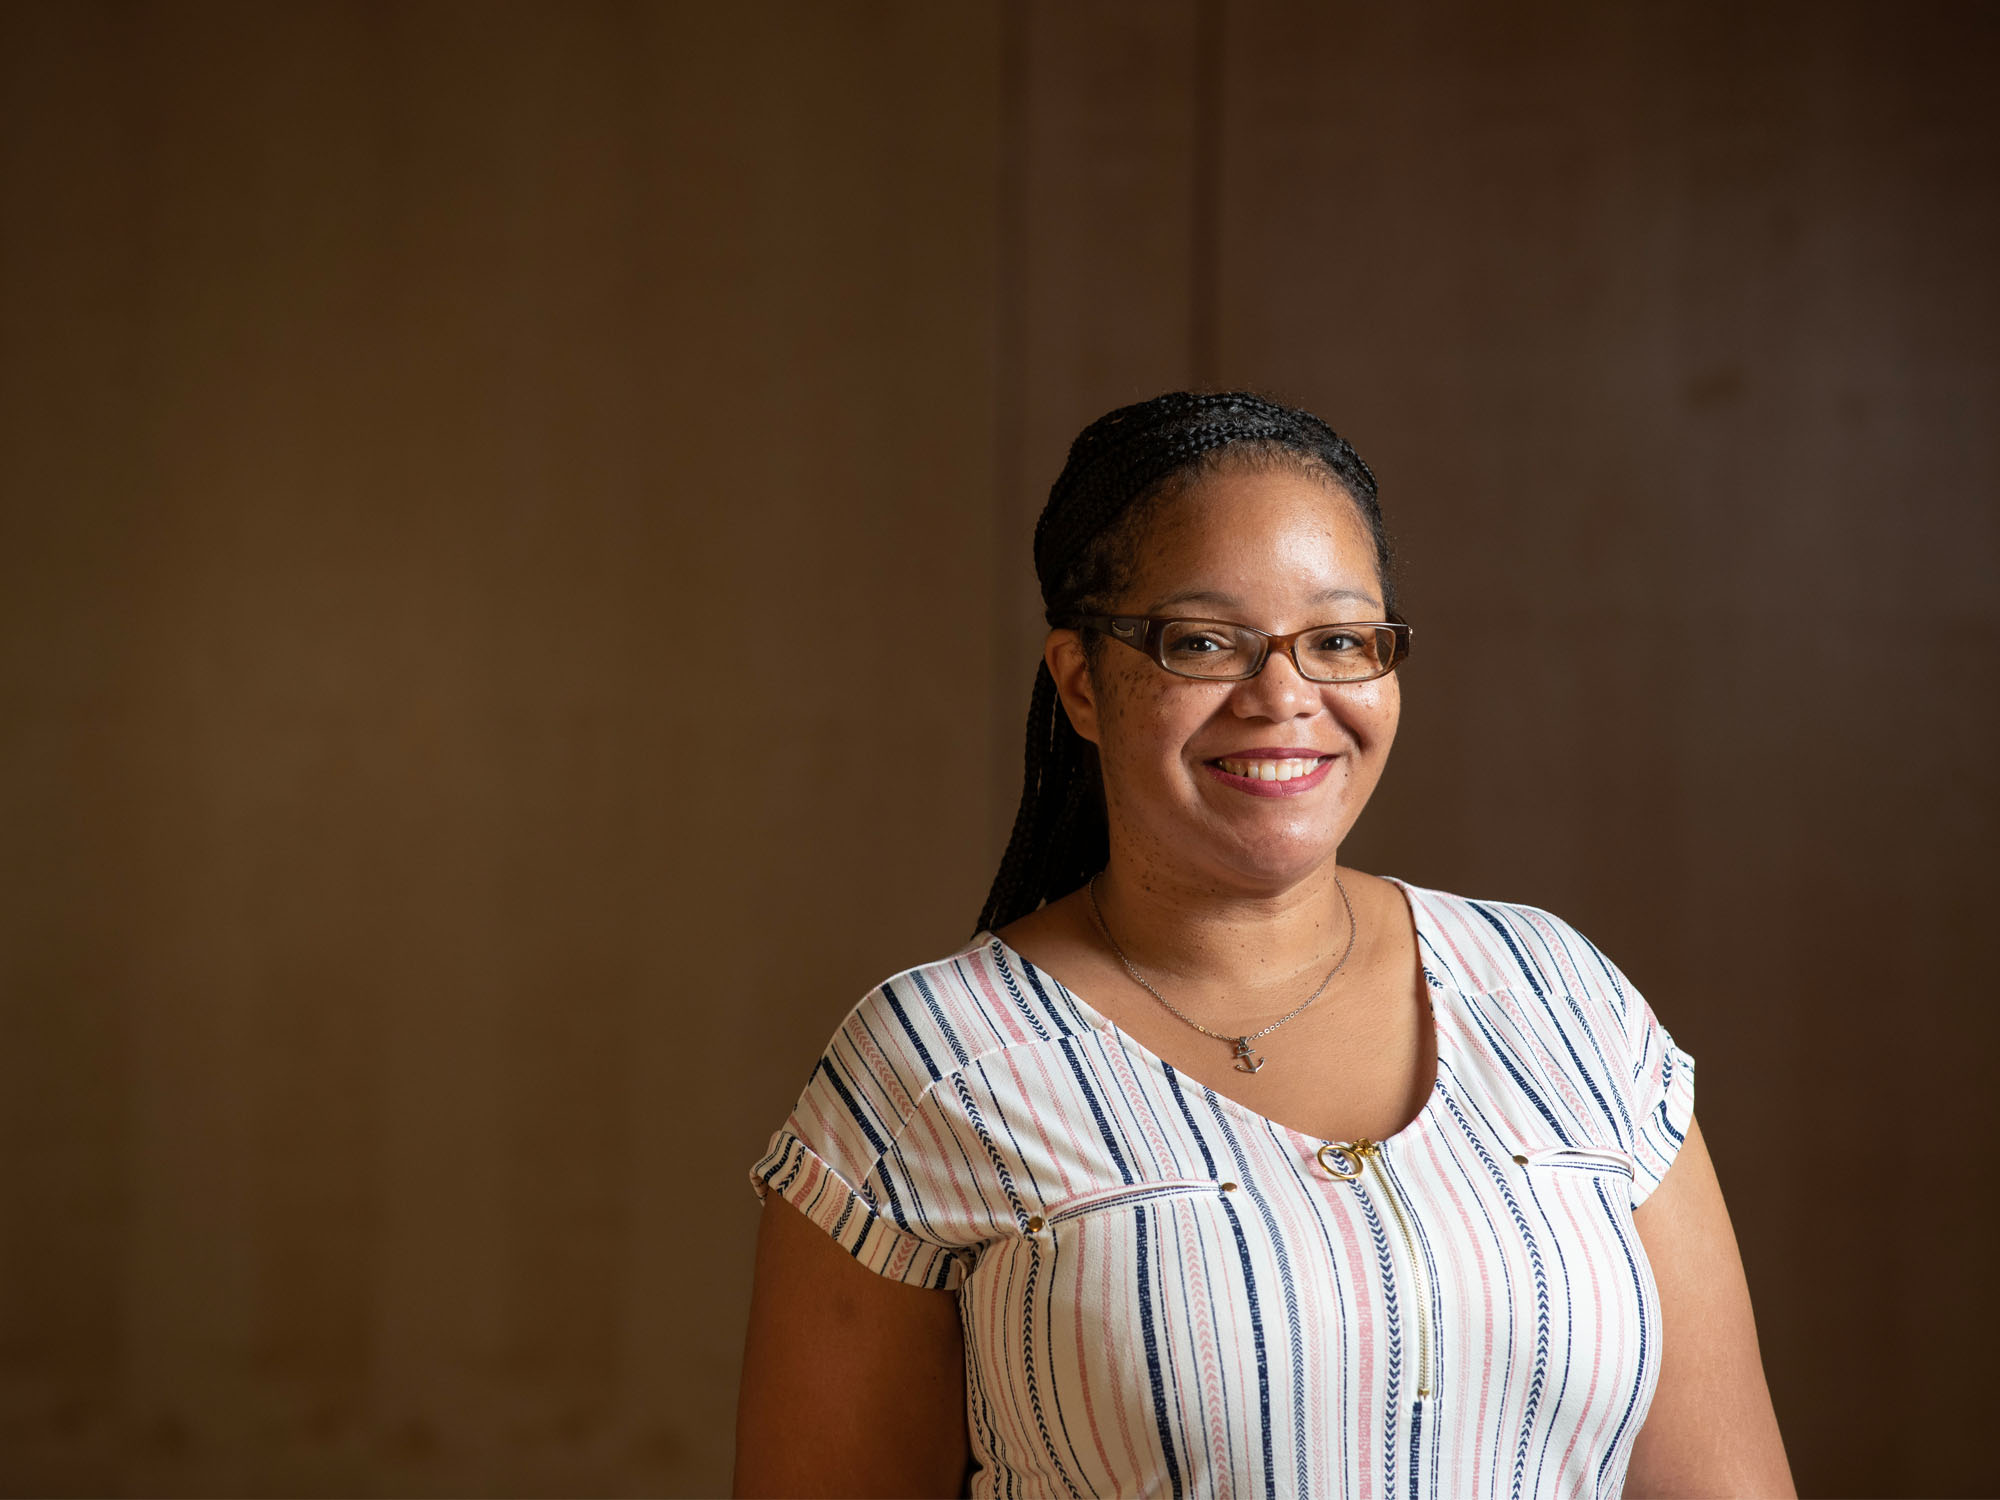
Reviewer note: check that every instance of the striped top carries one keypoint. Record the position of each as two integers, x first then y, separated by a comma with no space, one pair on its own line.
1164,1292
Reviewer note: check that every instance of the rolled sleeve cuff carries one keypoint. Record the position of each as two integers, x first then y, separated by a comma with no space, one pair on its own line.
803,1179
1664,1126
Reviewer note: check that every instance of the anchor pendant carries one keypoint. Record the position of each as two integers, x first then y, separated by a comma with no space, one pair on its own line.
1247,1061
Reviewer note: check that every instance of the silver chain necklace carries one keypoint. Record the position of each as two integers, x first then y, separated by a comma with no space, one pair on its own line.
1247,1061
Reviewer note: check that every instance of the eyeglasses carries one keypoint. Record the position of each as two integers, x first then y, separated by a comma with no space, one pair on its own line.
1223,651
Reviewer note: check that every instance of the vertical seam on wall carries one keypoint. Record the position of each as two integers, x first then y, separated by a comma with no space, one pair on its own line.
1008,680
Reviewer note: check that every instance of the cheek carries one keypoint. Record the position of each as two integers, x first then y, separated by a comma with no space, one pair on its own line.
1121,699
1139,717
1373,708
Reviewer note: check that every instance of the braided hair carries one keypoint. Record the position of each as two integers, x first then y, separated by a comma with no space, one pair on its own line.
1086,547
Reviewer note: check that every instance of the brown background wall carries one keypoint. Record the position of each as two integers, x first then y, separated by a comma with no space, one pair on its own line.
430,435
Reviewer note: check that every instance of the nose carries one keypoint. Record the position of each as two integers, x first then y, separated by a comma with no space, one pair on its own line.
1278,691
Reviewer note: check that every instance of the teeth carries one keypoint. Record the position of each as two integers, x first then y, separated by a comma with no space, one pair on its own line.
1270,770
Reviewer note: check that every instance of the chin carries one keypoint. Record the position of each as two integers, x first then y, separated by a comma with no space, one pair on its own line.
1274,863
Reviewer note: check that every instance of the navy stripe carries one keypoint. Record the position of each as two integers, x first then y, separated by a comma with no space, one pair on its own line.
895,1004
860,1115
1527,973
929,997
1263,1355
1625,1418
1155,1374
1096,1110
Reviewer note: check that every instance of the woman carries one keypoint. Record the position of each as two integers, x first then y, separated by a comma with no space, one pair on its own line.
1211,1165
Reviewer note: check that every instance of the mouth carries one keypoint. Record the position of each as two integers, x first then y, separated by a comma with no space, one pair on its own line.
1266,775
1263,768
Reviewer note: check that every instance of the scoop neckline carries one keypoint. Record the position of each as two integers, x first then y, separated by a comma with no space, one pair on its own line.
1097,1021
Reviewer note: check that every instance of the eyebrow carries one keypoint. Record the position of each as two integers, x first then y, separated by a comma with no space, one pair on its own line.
1231,601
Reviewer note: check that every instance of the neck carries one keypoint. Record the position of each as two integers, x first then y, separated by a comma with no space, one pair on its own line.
1203,937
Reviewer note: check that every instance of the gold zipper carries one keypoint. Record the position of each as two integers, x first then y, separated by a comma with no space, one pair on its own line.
1363,1151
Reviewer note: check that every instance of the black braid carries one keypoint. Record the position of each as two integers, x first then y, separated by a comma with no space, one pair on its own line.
1085,547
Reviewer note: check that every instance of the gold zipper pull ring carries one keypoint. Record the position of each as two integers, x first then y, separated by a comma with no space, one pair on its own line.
1334,1150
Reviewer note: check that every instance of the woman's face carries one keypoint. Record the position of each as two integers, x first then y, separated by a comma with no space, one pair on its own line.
1279,550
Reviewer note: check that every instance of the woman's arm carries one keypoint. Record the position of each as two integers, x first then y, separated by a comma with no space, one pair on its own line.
853,1384
1711,1431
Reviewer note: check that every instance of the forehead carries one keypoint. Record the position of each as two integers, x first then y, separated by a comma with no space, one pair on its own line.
1259,538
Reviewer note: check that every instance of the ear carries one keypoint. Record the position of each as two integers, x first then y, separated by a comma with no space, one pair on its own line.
1063,654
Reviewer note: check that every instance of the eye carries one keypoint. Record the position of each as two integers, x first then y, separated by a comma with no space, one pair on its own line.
1201,638
1341,652
1205,648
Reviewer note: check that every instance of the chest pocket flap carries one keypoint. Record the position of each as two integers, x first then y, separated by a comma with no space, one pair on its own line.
1605,1160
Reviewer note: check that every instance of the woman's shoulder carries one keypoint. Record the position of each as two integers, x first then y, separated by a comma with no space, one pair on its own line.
933,1019
1478,945
1570,1028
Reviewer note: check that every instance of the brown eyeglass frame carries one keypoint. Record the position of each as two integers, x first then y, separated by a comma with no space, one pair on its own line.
1146,633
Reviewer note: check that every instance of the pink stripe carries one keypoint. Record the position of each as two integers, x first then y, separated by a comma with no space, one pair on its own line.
1207,1352
1058,1144
999,1007
1084,1247
1470,1417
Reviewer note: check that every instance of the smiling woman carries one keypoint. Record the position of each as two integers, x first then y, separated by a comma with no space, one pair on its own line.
1210,1164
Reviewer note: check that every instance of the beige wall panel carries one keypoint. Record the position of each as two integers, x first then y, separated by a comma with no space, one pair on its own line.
431,436
457,460
1672,337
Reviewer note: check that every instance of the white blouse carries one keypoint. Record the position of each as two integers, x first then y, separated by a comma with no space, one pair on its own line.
1164,1292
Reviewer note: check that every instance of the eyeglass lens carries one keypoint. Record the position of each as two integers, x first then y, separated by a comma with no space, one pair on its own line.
1332,653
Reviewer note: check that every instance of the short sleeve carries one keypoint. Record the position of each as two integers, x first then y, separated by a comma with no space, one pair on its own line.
1662,1092
804,1179
837,1161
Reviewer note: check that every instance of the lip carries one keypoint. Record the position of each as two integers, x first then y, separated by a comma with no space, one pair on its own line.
1297,786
